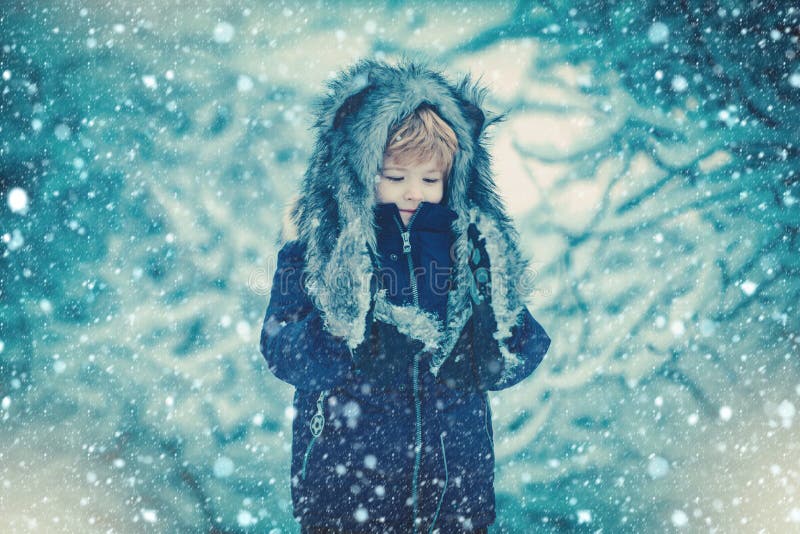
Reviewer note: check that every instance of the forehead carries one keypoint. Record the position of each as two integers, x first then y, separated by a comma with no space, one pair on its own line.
407,164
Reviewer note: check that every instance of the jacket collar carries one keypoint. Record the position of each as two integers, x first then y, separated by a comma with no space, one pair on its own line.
428,218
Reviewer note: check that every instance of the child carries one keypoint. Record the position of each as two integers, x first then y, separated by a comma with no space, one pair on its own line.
396,306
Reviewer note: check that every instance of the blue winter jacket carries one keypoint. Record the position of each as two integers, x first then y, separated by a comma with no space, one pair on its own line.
380,442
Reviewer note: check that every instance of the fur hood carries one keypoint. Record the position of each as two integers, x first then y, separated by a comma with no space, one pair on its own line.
333,214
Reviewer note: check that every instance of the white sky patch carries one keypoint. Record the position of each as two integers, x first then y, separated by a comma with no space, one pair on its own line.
289,413
6,402
794,80
224,32
18,200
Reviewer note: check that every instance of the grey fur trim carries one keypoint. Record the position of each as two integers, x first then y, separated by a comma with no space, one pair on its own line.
334,214
410,320
449,340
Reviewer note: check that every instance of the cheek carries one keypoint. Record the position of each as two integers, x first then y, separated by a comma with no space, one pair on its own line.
382,192
436,194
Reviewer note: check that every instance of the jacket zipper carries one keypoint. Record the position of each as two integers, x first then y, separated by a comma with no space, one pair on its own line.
417,440
405,233
444,489
317,424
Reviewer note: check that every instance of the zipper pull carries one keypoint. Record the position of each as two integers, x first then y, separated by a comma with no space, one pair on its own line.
318,421
406,242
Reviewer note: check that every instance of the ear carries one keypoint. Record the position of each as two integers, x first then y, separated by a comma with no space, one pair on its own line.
345,94
350,104
471,95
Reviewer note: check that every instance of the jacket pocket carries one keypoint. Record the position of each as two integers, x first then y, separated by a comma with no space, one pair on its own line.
316,425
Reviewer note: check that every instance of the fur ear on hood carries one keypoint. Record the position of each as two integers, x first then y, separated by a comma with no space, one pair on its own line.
334,211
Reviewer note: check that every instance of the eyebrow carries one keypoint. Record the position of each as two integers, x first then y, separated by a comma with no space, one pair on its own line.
401,169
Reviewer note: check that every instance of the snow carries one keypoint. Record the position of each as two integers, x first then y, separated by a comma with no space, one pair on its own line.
62,132
18,200
725,413
245,519
244,83
657,467
658,33
748,287
584,517
224,32
667,268
361,514
370,461
679,518
149,515
150,81
679,84
223,467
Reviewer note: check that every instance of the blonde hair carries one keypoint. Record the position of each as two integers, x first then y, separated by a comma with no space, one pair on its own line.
421,136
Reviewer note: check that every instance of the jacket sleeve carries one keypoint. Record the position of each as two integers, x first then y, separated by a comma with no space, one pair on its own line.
522,354
297,347
478,360
499,365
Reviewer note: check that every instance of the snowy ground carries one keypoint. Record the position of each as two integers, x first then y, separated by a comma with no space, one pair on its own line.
147,153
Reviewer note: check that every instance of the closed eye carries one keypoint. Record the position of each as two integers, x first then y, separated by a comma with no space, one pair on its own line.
430,180
394,178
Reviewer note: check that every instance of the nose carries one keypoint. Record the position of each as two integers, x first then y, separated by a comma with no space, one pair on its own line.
413,193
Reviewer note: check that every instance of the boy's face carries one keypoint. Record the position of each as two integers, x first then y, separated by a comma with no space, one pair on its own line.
408,184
